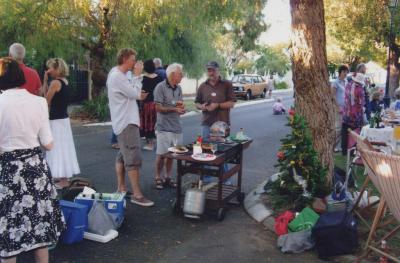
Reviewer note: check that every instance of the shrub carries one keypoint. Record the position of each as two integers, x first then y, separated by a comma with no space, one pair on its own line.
281,85
97,108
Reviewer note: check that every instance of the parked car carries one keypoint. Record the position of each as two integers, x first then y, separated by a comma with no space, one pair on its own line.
248,86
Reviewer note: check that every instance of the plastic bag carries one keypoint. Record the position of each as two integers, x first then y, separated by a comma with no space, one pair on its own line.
282,221
305,220
296,242
99,219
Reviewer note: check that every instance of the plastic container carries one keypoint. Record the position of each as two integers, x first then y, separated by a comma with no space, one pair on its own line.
76,219
111,234
114,203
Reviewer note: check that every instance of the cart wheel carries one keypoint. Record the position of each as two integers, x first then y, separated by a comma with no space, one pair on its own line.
240,197
221,214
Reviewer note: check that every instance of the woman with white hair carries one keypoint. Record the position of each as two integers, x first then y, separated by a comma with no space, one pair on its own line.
62,159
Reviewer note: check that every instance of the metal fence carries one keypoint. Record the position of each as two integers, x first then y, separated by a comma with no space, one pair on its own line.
79,85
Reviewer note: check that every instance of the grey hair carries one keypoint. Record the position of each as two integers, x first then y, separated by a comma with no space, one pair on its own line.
397,93
157,61
17,51
174,67
360,66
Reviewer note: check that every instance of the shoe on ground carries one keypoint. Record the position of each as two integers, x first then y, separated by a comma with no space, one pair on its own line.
142,201
115,146
148,148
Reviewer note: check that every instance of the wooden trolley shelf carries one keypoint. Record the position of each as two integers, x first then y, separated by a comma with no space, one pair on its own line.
217,197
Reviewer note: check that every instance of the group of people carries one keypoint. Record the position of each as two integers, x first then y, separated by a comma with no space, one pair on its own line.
37,152
33,117
127,85
356,100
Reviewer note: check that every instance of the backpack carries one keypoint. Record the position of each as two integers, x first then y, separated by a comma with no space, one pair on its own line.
76,186
335,233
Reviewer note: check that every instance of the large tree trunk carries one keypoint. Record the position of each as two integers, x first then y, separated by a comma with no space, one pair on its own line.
310,75
99,74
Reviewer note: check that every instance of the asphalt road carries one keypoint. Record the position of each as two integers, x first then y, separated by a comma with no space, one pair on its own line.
157,234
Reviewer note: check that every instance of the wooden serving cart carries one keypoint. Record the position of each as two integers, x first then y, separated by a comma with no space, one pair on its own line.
229,162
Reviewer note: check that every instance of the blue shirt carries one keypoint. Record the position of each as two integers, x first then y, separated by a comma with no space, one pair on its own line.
161,72
340,87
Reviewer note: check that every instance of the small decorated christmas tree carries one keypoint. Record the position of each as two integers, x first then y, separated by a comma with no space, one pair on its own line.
302,176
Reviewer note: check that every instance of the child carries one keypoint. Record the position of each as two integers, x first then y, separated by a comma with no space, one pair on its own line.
278,108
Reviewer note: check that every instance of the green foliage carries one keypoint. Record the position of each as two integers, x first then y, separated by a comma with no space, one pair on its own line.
177,31
359,28
97,108
281,85
302,176
273,60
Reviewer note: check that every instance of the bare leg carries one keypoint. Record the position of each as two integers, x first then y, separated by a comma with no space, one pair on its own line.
168,167
42,255
159,167
120,172
134,179
9,260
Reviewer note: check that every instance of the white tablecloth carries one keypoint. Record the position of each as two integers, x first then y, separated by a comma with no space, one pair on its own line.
379,135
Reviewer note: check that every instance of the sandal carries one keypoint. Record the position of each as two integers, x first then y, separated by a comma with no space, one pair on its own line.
159,184
115,146
169,183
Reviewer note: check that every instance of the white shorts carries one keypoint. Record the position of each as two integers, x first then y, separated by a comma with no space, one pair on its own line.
166,140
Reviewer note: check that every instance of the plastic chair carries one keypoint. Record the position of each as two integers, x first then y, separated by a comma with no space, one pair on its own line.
384,171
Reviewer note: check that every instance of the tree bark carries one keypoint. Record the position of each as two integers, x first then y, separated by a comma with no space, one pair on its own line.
310,76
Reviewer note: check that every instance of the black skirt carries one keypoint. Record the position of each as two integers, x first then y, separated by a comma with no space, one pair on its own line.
30,216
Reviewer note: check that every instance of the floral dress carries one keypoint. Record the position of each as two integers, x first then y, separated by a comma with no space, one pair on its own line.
30,217
353,111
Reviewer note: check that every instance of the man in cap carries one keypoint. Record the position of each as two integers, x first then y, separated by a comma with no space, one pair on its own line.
215,98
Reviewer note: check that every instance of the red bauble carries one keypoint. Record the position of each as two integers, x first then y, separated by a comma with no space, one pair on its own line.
281,155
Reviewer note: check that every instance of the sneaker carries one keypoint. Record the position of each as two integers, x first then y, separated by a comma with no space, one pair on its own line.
148,148
142,201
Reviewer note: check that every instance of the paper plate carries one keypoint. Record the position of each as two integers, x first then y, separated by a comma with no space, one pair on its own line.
205,157
174,150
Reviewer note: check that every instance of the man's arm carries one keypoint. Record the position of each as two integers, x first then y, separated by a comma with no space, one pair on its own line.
132,91
162,108
226,105
230,99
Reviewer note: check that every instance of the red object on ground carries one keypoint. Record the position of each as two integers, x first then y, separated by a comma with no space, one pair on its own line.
32,80
280,155
282,221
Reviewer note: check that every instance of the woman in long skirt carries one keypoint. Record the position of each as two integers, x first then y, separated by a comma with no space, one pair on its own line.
62,159
148,113
30,218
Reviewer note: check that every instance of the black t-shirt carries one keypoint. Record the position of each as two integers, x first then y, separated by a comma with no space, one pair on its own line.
149,84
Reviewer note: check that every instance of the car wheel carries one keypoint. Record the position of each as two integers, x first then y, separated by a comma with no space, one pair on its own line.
248,95
263,94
